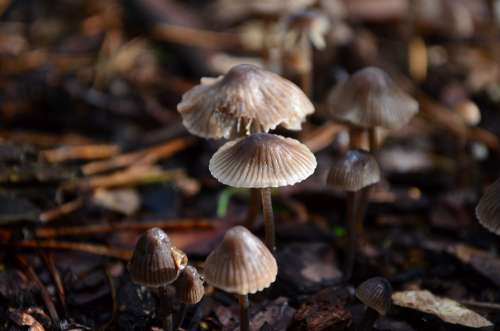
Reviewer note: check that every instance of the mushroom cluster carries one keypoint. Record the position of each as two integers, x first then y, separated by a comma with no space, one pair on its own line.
368,100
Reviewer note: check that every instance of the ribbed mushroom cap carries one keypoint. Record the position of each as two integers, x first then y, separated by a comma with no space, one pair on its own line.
189,286
245,100
154,261
370,98
353,171
488,208
262,160
376,293
241,264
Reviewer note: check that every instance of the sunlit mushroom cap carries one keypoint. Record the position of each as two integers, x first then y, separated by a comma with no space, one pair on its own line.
488,208
370,98
154,261
241,264
353,171
376,293
313,23
245,100
262,160
189,286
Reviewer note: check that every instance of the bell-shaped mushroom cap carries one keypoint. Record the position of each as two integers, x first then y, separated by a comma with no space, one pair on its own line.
262,160
376,293
370,98
245,100
241,264
312,23
189,286
154,261
488,208
353,171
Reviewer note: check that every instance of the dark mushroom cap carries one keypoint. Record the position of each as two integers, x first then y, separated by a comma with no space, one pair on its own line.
245,100
189,286
353,171
154,261
370,98
488,208
376,293
262,160
241,264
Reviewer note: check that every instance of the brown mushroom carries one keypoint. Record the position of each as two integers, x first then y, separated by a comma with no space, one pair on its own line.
189,290
242,265
376,294
488,208
354,172
156,263
263,161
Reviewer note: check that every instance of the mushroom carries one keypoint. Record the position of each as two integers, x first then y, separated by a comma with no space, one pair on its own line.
263,161
376,294
306,30
370,99
189,290
156,263
242,265
245,100
354,172
488,208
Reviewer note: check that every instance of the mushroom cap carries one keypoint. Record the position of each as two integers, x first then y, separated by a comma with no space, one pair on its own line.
353,171
370,98
376,293
154,261
262,160
313,23
189,286
241,264
488,208
245,100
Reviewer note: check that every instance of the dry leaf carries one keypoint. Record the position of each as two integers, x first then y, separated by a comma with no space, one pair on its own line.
446,309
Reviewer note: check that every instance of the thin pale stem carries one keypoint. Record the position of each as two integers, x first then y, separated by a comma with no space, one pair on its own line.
165,309
244,316
181,316
253,209
267,211
306,75
352,206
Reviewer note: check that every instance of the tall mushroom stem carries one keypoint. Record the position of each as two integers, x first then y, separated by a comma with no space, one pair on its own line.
352,202
369,318
181,316
267,211
244,317
165,310
253,209
306,73
373,139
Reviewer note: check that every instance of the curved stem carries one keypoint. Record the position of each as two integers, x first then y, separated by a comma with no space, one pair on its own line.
267,211
352,206
253,208
369,318
244,317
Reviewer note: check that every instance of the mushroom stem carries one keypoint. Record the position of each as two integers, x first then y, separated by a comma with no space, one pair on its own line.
244,318
267,211
372,139
165,310
306,72
253,208
181,316
362,205
369,318
352,206
356,136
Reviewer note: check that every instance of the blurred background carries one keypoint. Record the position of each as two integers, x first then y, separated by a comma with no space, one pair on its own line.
93,151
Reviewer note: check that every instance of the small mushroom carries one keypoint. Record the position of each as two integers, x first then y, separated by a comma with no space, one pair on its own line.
242,265
156,263
376,294
263,161
305,30
245,100
370,99
189,290
354,172
488,208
